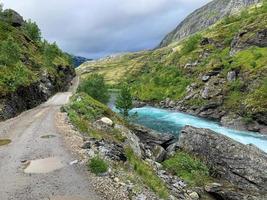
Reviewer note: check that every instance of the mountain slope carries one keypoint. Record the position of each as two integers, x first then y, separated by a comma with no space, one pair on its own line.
31,69
220,73
204,17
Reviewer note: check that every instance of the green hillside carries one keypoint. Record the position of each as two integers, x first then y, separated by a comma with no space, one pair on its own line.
31,69
225,65
24,56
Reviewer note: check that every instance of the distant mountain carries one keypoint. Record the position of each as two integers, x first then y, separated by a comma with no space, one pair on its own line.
219,73
205,17
78,60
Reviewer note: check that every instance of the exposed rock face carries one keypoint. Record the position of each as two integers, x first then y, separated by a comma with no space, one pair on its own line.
247,38
12,17
28,97
204,17
244,166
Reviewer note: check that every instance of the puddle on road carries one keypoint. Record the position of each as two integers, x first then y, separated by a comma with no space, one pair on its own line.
48,136
66,198
41,166
4,142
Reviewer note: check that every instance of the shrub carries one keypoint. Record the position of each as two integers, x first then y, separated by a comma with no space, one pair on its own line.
15,76
9,52
32,30
189,168
50,52
95,86
191,44
97,166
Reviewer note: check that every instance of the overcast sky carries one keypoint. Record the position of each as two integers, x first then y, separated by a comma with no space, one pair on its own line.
96,28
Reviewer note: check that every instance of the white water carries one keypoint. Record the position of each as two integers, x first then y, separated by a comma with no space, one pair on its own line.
172,122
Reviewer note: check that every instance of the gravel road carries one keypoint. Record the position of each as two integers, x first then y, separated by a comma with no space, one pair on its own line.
64,182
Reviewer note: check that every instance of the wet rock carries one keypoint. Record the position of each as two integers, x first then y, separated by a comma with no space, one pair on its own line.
239,164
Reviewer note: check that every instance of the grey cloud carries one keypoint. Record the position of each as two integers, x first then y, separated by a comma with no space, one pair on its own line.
95,28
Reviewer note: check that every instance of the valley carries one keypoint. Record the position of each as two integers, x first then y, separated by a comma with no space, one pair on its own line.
186,120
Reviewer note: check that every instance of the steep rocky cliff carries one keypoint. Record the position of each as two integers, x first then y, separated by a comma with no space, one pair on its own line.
204,17
31,69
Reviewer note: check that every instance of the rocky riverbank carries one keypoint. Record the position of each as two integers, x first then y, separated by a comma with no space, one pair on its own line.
217,166
242,166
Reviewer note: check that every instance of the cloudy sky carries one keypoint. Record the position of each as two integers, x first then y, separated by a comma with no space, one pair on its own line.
96,28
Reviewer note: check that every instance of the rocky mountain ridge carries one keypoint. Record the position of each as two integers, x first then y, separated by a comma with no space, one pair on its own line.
205,17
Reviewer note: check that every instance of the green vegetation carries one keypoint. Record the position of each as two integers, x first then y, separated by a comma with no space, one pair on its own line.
191,44
32,30
124,101
24,57
10,52
165,73
189,168
94,85
83,111
147,174
97,166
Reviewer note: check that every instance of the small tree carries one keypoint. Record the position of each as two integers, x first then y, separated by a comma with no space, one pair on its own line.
50,52
96,87
124,101
32,30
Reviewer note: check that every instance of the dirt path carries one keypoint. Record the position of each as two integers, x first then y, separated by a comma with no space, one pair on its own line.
61,181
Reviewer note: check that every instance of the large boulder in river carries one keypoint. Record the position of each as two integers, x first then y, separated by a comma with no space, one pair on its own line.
244,166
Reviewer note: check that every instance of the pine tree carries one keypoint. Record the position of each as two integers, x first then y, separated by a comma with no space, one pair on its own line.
124,101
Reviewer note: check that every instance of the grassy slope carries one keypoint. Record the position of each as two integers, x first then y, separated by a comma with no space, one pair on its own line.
32,61
83,111
159,74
